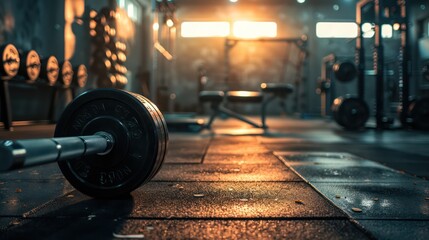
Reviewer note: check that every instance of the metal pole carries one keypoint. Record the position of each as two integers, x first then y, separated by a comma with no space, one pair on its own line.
360,55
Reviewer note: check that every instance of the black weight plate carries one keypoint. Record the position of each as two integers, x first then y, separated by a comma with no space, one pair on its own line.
137,142
163,132
419,112
160,132
335,110
345,71
350,112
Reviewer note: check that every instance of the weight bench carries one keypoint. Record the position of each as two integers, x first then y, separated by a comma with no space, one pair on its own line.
274,90
217,98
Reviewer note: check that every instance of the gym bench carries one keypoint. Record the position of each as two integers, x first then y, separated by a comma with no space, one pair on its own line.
269,92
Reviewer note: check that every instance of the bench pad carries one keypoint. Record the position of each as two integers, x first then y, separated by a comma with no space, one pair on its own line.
244,96
277,88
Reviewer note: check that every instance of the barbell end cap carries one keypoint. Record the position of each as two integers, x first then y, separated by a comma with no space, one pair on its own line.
12,155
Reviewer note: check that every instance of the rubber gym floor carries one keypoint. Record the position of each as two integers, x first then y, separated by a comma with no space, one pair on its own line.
301,179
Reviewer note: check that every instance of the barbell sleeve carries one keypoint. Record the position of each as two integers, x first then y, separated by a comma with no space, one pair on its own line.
24,153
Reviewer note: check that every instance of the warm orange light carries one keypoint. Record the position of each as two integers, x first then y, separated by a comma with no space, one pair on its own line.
107,64
125,28
92,14
163,51
92,24
169,23
108,53
249,29
204,29
396,26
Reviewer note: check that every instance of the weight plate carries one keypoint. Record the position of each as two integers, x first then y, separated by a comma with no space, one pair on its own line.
9,61
163,142
350,112
419,113
160,132
66,73
30,66
344,71
163,132
139,143
81,76
50,70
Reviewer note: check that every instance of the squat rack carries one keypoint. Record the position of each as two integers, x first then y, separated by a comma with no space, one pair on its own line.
383,12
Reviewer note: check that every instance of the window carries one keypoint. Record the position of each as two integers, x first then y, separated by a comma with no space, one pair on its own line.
350,30
241,29
336,30
204,29
249,29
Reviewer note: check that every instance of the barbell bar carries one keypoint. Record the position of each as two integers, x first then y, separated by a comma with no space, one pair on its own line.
26,153
107,143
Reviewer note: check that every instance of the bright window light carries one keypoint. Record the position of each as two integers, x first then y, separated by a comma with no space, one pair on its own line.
386,31
368,30
336,30
204,29
247,29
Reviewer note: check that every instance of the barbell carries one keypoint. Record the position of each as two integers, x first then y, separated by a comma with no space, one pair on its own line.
107,143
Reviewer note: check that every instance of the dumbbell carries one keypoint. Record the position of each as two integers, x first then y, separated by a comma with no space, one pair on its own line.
66,74
50,70
107,143
121,81
30,65
9,61
344,71
81,76
352,113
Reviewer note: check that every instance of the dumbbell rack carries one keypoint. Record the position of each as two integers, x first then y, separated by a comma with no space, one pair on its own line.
31,68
